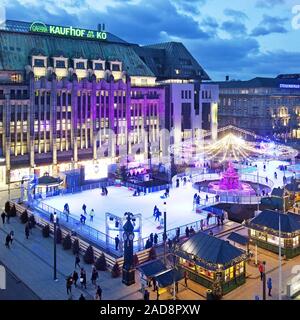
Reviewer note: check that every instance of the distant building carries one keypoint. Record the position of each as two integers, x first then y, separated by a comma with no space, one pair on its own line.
267,106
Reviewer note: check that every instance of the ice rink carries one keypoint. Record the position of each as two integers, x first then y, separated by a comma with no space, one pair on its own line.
120,200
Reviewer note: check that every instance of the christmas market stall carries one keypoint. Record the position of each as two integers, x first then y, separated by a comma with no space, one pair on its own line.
208,260
264,232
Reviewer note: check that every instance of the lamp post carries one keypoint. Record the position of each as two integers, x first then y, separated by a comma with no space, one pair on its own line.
54,239
128,275
165,232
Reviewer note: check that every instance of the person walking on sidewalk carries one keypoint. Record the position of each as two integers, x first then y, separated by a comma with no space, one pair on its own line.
83,278
75,278
27,231
69,285
77,261
11,237
261,271
7,241
94,276
3,217
269,285
99,292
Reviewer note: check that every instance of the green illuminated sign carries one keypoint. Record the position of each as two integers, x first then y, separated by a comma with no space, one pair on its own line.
41,27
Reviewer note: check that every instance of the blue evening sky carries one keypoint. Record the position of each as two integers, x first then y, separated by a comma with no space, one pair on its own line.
241,38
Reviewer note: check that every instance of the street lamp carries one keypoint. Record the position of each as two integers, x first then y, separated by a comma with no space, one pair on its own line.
54,238
165,232
264,280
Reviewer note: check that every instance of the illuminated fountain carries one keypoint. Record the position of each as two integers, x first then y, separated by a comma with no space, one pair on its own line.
230,182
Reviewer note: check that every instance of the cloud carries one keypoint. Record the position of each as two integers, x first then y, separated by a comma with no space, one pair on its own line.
268,3
269,25
240,15
234,28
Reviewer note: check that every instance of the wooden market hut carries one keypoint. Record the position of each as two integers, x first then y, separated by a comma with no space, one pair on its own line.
264,232
206,258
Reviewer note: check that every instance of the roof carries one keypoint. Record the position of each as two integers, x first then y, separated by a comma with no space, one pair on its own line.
211,249
277,192
164,58
166,278
238,238
48,180
257,82
294,186
152,268
17,47
270,218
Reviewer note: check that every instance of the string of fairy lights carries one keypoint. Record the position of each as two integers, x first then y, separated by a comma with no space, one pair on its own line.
231,147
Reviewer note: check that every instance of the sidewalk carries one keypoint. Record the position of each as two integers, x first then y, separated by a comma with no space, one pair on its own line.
32,261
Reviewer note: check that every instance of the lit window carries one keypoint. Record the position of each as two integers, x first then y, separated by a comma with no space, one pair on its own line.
80,65
115,67
177,71
60,64
39,62
98,66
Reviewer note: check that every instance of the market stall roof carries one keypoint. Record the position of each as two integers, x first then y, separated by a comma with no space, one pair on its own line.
210,249
152,268
167,277
294,186
277,192
47,180
238,238
270,219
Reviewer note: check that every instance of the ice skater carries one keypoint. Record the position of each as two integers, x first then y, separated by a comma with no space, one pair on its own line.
157,215
84,208
82,218
92,214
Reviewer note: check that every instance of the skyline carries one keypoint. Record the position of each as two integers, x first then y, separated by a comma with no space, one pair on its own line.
242,40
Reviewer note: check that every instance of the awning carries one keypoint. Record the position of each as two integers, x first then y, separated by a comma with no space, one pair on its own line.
238,238
152,268
167,278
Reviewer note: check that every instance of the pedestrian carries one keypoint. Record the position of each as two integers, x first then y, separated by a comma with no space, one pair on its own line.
261,270
187,231
27,231
146,295
77,261
269,285
94,276
84,208
191,231
185,278
206,198
75,278
3,217
11,237
117,242
92,214
83,278
155,238
82,298
151,237
69,283
154,284
7,241
99,292
177,233
157,294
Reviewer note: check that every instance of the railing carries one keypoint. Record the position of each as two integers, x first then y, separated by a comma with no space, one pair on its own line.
198,225
74,225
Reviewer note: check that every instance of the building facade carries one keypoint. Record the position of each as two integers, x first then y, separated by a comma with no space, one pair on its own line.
266,106
67,101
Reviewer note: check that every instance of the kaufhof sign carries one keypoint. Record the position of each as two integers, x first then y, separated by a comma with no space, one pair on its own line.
40,27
